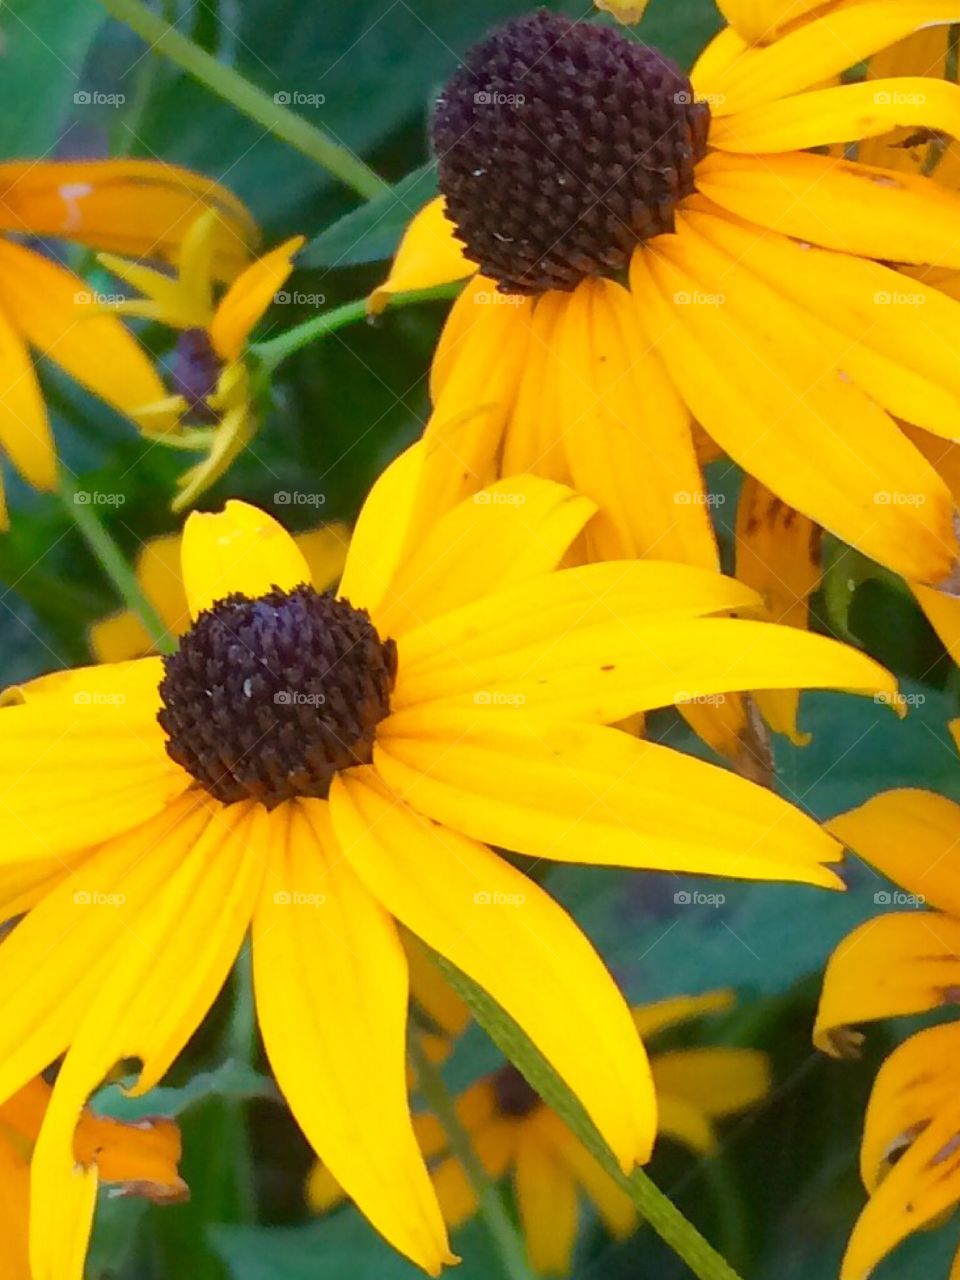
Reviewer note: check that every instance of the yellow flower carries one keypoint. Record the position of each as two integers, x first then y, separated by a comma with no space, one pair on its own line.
123,636
133,206
902,963
213,382
137,1159
626,11
513,1131
643,268
322,767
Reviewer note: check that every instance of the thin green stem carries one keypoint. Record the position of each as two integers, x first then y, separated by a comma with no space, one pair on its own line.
275,350
82,509
241,1045
502,1231
234,88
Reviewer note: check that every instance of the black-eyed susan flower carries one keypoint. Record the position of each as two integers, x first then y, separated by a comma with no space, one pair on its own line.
323,766
649,252
514,1132
138,1159
132,206
903,962
212,406
123,636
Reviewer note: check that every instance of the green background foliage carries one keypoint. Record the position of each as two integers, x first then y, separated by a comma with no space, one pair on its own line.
785,1192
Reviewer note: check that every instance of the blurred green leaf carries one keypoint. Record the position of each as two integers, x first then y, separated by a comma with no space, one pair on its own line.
372,232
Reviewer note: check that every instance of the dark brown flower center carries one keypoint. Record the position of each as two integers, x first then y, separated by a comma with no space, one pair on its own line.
561,146
268,699
515,1098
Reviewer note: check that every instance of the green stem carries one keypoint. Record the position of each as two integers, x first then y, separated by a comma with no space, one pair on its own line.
502,1231
674,1229
113,562
241,1044
234,88
275,350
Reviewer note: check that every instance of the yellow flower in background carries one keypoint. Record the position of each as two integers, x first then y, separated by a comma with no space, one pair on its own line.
757,303
123,636
212,383
323,767
513,1131
131,206
902,963
138,1159
626,11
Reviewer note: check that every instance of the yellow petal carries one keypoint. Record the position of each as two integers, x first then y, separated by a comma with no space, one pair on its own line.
164,299
429,254
78,769
325,551
891,966
653,1018
24,428
842,113
626,434
158,573
547,1201
590,794
331,982
759,20
720,1082
240,549
815,51
248,298
55,312
686,1123
323,1191
503,931
754,372
778,554
510,532
432,991
379,535
626,11
533,440
615,1207
135,207
838,204
913,837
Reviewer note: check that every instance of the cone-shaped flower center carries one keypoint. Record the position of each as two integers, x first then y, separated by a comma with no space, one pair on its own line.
562,145
194,373
515,1097
268,699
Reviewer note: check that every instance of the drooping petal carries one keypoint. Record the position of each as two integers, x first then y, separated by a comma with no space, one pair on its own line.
240,549
913,837
597,795
533,440
25,434
78,768
134,207
124,636
505,933
755,373
378,538
839,204
841,113
248,298
626,434
325,551
720,1082
815,51
684,1122
508,533
429,254
615,1207
331,982
653,1018
890,966
547,1201
778,554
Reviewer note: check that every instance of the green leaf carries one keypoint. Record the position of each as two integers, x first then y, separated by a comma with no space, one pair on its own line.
45,46
372,232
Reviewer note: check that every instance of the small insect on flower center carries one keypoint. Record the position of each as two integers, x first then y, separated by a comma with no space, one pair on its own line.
515,1098
561,146
268,699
